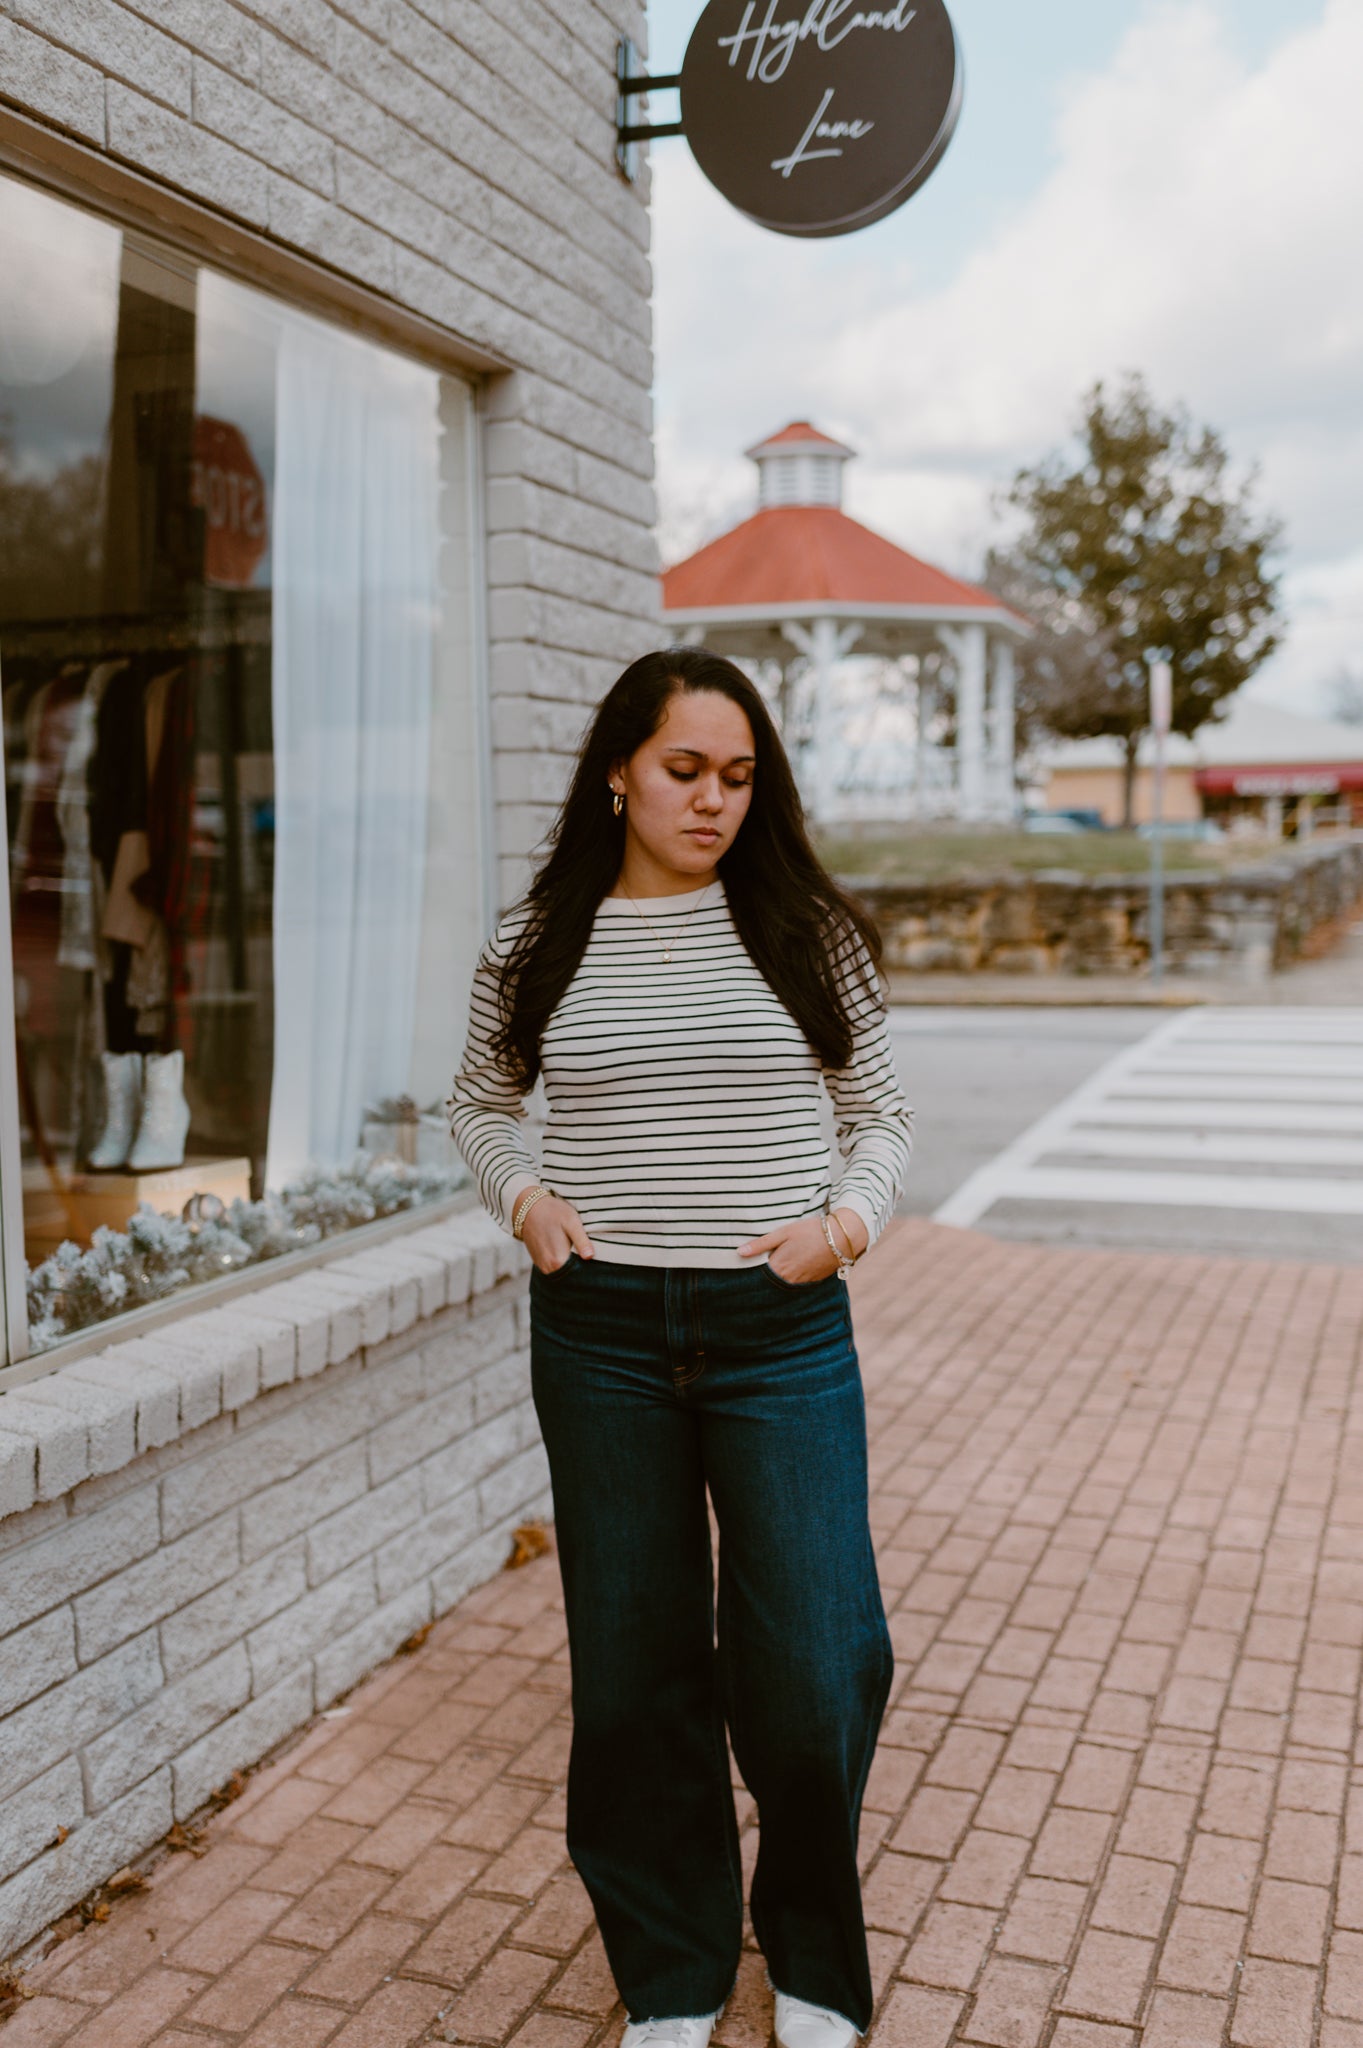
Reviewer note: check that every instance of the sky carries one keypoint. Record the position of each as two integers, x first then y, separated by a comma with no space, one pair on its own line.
1169,186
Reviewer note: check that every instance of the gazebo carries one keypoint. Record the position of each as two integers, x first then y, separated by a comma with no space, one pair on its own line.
800,582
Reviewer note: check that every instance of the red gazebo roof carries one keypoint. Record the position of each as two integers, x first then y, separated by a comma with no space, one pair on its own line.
800,555
799,434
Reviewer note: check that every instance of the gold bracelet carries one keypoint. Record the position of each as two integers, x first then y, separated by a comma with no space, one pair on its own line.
845,1264
852,1251
524,1206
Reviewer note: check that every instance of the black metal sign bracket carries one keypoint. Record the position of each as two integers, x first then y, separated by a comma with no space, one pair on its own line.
629,85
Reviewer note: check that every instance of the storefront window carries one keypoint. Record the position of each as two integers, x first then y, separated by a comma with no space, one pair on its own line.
234,655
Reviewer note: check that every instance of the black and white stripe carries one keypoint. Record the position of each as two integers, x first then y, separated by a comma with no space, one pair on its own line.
684,1101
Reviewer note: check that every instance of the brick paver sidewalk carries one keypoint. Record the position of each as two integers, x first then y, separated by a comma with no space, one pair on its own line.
1120,1527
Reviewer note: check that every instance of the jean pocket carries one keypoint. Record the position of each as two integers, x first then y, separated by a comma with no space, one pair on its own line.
789,1286
573,1259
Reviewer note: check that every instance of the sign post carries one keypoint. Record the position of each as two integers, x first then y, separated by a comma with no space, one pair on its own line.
1161,713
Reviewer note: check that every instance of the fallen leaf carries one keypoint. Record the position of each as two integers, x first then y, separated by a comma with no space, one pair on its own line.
225,1794
59,1838
415,1640
191,1838
99,1912
126,1880
531,1540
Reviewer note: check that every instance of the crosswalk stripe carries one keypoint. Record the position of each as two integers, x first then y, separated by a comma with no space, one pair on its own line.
1287,1060
1255,1148
1187,1190
1237,1088
1262,1116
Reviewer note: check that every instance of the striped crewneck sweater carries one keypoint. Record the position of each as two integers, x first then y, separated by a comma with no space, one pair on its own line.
685,1106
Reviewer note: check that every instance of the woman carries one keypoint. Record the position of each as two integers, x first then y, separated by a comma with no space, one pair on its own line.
685,976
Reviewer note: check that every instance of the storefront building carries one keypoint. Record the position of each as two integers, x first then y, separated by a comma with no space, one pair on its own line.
325,512
1259,769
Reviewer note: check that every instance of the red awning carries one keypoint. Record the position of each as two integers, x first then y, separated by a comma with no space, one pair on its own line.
1299,778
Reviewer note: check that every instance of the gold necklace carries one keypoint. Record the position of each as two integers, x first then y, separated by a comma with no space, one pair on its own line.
668,944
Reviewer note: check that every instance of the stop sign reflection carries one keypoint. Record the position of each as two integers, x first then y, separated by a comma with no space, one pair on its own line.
227,484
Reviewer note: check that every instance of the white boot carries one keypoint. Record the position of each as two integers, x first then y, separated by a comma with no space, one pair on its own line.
810,2026
693,2033
165,1114
122,1105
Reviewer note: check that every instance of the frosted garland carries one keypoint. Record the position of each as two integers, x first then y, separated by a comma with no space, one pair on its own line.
158,1255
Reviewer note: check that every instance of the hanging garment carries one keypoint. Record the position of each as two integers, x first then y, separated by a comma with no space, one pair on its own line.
78,946
125,917
20,691
118,817
39,855
118,767
149,981
163,886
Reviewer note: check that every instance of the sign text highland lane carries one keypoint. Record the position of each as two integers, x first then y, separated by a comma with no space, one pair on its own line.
820,121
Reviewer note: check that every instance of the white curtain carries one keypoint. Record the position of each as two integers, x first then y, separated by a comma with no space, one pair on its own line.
355,607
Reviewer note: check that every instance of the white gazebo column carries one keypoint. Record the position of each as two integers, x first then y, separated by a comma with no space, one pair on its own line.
1002,721
924,708
968,649
824,644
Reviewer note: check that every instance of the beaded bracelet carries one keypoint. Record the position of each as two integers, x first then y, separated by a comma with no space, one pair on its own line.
523,1208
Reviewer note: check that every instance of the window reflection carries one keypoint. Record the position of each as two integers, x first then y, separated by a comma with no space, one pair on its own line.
220,626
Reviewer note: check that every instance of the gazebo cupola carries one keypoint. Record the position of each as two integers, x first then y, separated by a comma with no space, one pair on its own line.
800,466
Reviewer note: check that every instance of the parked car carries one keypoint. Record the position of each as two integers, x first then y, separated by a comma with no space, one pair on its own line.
1051,821
1092,821
1204,830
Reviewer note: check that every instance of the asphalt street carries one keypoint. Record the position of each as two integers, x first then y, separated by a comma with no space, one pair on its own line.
977,1078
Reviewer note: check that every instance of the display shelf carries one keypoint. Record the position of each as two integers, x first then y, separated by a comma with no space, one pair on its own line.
92,1199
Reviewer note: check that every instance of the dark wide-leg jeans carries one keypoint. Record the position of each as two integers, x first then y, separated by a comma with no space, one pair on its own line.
651,1386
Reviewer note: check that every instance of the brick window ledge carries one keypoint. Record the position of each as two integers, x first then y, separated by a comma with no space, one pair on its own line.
91,1417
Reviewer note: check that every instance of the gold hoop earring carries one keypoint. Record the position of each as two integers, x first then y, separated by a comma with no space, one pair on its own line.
618,803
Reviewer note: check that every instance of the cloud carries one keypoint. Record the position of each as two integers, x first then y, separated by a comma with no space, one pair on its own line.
1325,605
1199,223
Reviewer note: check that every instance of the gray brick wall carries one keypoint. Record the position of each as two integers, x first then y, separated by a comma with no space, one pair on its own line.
209,1532
323,1466
456,156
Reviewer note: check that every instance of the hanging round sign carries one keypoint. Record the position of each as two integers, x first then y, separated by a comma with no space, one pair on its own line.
816,117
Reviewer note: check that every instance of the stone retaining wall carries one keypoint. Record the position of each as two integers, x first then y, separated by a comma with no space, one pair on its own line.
1247,922
211,1532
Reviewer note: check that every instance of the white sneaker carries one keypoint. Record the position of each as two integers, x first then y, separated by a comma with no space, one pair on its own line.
810,2026
693,2033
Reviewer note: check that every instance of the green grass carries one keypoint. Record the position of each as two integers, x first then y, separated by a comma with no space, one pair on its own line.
933,856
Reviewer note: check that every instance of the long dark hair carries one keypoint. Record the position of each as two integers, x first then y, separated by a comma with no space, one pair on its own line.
791,916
